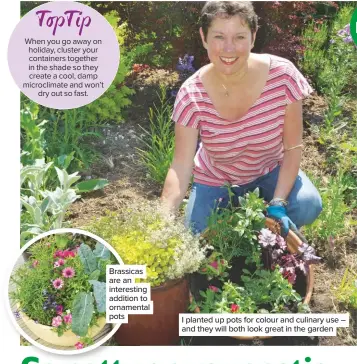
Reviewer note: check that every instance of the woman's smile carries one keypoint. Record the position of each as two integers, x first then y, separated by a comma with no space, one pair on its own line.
228,60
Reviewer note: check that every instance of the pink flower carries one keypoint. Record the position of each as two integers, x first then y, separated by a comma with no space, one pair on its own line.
68,272
68,253
58,254
58,283
59,309
214,265
79,345
56,321
67,318
213,288
60,261
234,307
56,265
35,263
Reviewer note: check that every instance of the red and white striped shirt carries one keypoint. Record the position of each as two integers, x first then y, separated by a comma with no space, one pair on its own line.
240,151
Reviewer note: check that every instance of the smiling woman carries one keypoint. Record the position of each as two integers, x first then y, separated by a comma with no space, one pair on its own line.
247,110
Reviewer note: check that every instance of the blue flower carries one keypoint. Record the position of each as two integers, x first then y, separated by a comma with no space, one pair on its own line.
17,314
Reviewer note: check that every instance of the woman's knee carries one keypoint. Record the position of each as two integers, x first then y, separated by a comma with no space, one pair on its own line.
307,209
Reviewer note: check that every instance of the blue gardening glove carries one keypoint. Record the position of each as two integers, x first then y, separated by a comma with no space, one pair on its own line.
279,213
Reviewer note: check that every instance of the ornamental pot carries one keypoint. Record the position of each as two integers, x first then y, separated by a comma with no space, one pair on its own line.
293,242
68,338
161,327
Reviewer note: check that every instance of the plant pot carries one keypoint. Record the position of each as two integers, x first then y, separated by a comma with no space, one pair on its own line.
67,339
162,327
293,243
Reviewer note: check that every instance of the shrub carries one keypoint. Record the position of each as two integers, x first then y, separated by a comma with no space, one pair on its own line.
144,235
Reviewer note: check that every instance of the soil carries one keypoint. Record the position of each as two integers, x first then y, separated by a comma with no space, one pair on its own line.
129,182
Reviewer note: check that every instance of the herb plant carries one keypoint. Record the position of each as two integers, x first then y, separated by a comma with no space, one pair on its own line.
232,230
143,234
266,282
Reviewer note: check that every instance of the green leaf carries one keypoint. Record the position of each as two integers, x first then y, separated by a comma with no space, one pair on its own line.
99,289
61,241
91,185
88,258
95,275
101,251
82,312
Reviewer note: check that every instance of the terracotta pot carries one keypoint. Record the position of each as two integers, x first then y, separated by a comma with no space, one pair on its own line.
293,242
162,327
67,339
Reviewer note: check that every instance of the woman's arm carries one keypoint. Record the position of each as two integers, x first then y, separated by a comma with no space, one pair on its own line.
179,174
292,137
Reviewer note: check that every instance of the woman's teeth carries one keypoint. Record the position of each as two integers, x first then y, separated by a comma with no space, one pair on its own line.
228,60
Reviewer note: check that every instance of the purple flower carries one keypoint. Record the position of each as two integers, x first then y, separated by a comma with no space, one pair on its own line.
17,314
173,93
267,238
185,67
348,39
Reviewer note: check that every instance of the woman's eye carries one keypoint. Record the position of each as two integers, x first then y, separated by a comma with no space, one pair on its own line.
241,37
218,37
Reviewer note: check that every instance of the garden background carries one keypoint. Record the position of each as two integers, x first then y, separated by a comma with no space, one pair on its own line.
121,145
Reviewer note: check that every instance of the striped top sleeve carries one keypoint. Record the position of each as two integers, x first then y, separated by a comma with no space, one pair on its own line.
185,110
297,88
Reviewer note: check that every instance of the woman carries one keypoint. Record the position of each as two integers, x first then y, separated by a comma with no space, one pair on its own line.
247,110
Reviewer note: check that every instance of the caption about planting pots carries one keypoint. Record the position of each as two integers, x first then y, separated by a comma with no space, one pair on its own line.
261,324
57,58
124,296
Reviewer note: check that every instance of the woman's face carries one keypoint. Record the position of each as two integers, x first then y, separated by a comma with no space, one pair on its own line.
229,42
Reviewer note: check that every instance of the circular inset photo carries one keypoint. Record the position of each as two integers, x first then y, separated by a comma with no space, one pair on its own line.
57,291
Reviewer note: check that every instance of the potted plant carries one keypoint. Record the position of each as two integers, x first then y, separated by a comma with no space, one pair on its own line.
60,290
251,268
144,235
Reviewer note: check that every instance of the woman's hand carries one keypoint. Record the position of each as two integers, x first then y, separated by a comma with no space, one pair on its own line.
279,213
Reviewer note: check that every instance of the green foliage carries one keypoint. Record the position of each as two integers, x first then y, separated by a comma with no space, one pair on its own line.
332,221
109,107
143,234
270,288
346,293
215,267
43,209
262,290
88,258
328,60
99,289
82,313
67,135
45,302
91,185
159,140
233,230
32,134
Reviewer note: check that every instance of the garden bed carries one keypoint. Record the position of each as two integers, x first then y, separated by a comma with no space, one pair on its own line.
129,182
